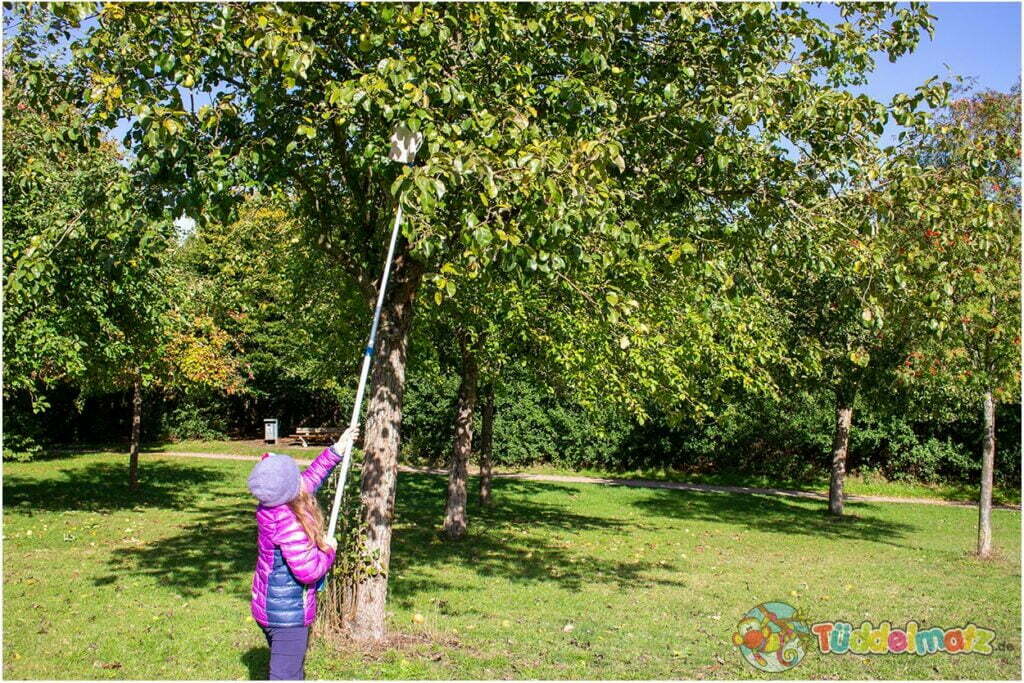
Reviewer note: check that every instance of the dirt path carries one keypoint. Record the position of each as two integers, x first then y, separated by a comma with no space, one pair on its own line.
634,483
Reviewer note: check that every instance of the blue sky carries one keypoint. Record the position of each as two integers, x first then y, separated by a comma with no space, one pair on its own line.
979,39
976,40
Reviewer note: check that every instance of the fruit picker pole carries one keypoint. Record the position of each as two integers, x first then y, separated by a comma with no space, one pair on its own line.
404,144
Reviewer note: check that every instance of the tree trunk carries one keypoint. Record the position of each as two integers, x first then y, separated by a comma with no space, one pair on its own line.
455,521
133,449
486,441
381,443
988,456
840,445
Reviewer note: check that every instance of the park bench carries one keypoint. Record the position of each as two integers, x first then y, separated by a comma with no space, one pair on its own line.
317,434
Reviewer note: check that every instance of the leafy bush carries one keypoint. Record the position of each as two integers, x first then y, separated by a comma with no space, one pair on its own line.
427,414
532,425
881,443
191,421
935,460
22,428
21,447
788,438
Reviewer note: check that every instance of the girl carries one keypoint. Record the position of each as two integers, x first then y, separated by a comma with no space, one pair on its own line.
293,553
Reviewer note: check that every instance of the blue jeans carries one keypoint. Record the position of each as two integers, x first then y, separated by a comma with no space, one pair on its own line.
287,652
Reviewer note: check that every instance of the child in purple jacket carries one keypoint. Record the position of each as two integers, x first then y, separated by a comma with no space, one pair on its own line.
293,553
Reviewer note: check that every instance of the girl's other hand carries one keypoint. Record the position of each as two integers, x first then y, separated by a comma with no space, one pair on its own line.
331,542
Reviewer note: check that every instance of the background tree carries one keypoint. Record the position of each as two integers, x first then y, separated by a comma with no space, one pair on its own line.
973,153
856,287
83,299
293,325
455,520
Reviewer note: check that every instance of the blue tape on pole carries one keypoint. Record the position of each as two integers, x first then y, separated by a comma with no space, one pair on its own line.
369,351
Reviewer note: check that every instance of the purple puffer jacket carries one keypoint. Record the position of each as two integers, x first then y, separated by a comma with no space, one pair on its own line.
288,563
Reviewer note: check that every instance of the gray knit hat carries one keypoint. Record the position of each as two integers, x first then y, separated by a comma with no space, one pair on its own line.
275,480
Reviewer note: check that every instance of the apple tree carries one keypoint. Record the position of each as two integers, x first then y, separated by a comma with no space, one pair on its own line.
595,145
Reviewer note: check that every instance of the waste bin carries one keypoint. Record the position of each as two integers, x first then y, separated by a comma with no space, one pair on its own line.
270,431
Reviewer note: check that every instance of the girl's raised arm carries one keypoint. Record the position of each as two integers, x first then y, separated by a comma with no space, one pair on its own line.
314,476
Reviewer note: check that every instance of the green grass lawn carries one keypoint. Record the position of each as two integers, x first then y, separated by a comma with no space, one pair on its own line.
100,582
855,485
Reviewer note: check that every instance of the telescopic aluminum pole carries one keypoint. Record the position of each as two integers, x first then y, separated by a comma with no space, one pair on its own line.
346,456
404,144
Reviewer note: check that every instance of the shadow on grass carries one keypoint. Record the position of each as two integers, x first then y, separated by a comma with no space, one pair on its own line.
518,538
103,486
216,549
521,538
213,552
775,514
1003,493
257,660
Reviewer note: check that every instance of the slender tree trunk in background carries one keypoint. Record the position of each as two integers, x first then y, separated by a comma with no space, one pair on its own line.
988,456
133,449
840,446
455,520
381,444
486,442
250,414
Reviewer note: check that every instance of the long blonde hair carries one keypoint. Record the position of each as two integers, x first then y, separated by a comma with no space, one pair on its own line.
311,517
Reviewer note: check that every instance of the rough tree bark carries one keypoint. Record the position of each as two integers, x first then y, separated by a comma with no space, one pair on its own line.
381,443
133,449
455,520
988,455
486,442
840,446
